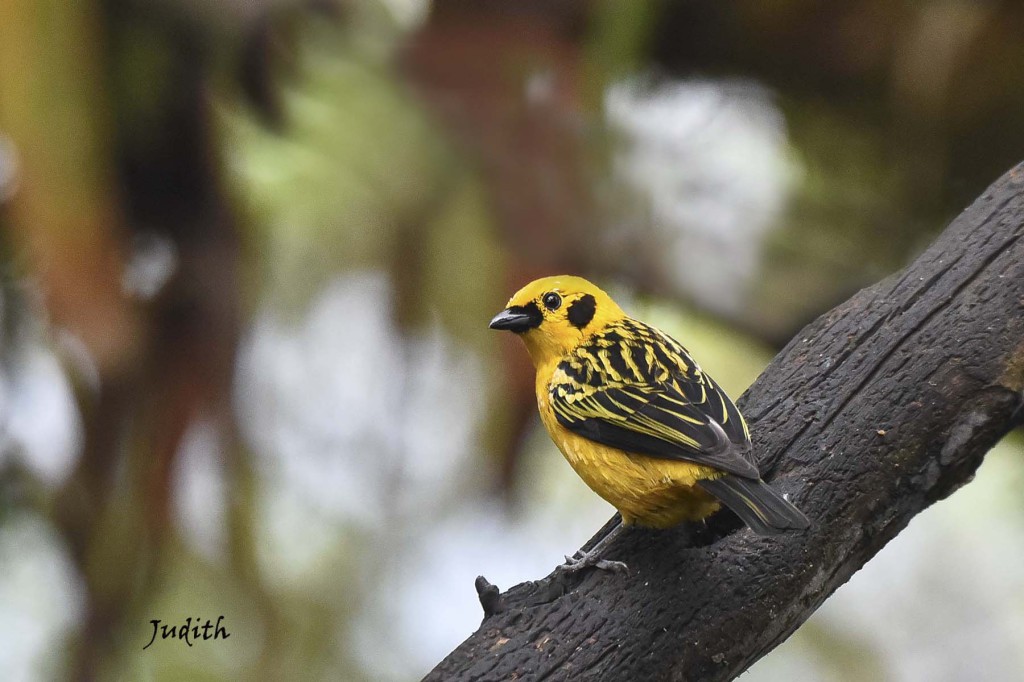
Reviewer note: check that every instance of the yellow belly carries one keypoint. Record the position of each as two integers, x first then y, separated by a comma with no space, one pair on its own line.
647,491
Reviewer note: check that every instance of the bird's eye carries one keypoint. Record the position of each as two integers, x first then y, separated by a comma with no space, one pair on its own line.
552,301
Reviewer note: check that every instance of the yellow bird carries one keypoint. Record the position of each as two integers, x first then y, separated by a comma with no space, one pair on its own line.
635,416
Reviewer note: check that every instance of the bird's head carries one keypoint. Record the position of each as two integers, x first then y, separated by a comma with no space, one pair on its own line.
553,315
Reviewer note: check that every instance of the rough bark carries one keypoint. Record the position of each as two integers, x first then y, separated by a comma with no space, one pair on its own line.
876,410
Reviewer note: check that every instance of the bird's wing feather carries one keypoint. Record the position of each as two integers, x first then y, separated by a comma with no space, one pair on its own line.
638,390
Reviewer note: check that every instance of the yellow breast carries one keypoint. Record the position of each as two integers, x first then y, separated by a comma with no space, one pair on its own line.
646,490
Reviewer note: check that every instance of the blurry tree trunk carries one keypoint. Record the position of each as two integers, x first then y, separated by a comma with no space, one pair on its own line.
120,210
876,410
66,217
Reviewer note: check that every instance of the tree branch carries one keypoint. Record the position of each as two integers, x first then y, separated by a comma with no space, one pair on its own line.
876,410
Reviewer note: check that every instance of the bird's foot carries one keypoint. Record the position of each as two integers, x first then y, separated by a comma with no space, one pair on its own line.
583,560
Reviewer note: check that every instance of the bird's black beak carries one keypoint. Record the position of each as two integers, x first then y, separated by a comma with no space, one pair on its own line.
518,318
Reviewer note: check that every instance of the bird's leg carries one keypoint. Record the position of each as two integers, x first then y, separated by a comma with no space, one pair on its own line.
592,558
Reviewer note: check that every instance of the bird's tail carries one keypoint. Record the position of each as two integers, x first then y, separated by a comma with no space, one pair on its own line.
757,503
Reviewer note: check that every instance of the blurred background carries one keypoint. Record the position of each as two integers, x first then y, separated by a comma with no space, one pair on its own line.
250,249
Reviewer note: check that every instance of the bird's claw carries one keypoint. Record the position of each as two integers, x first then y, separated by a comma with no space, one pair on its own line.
581,561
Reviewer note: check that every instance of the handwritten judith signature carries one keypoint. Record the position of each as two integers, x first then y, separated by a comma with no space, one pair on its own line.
188,631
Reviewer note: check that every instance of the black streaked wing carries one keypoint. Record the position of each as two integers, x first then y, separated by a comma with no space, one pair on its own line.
636,389
703,392
657,424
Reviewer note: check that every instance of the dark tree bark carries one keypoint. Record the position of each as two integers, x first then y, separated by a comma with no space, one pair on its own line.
876,410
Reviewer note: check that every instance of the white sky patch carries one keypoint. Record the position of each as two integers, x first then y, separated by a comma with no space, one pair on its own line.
408,14
315,395
199,489
40,423
152,261
711,161
352,424
40,596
